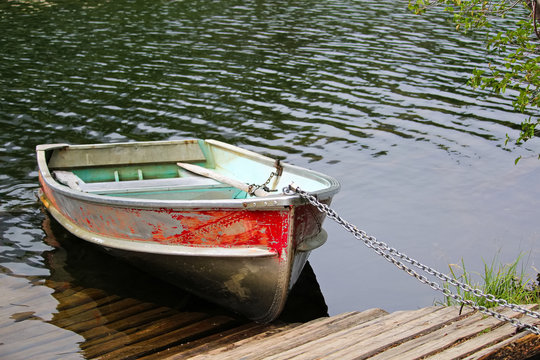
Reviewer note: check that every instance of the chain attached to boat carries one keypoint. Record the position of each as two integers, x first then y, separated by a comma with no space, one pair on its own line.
254,187
390,254
279,170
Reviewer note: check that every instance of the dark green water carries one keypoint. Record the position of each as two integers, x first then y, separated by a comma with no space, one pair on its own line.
362,90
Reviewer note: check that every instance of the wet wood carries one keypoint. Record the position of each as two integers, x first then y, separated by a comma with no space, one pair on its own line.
89,319
72,322
429,333
126,324
170,338
133,335
192,348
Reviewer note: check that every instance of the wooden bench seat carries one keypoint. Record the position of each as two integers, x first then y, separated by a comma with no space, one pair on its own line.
193,182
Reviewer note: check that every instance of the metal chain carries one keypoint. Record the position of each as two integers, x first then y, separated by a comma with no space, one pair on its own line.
254,187
388,253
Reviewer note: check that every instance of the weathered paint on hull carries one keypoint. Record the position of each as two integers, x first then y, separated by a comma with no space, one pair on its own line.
225,228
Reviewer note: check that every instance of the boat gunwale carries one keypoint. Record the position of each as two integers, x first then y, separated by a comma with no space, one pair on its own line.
267,202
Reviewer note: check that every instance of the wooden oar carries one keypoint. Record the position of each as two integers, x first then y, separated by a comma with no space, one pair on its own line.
221,178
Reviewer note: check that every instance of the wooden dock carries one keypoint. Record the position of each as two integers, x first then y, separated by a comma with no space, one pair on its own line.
62,321
428,333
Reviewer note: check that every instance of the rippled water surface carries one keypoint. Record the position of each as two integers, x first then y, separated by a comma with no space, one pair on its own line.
361,90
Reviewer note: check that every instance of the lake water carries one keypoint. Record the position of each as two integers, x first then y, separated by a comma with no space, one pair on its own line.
362,90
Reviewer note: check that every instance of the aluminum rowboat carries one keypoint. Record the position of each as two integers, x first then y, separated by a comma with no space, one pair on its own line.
207,216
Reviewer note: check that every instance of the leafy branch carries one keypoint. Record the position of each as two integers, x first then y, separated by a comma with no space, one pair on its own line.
519,46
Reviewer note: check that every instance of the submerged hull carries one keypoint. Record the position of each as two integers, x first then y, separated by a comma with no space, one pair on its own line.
234,249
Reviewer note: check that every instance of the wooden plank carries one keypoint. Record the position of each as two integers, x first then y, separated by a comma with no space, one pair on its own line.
135,350
117,308
491,339
320,327
87,311
249,331
230,345
134,335
363,342
74,297
515,336
84,311
494,347
526,347
444,338
125,325
107,317
99,315
258,339
296,337
209,342
471,349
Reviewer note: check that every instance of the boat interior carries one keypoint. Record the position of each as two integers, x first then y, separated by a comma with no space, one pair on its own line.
148,184
156,170
139,172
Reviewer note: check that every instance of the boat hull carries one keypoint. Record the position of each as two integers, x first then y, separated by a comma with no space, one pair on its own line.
244,255
258,260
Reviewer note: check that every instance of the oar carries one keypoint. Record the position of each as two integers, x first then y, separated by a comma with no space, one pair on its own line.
221,178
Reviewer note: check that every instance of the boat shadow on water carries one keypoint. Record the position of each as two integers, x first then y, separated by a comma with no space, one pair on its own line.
121,310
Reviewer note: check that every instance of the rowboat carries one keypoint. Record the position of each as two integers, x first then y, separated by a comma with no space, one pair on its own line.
207,216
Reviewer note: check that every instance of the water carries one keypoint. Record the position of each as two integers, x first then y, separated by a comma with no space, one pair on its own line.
360,90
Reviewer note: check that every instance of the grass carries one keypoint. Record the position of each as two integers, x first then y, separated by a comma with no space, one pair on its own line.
504,281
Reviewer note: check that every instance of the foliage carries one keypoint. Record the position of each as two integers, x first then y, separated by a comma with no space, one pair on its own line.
518,45
504,282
